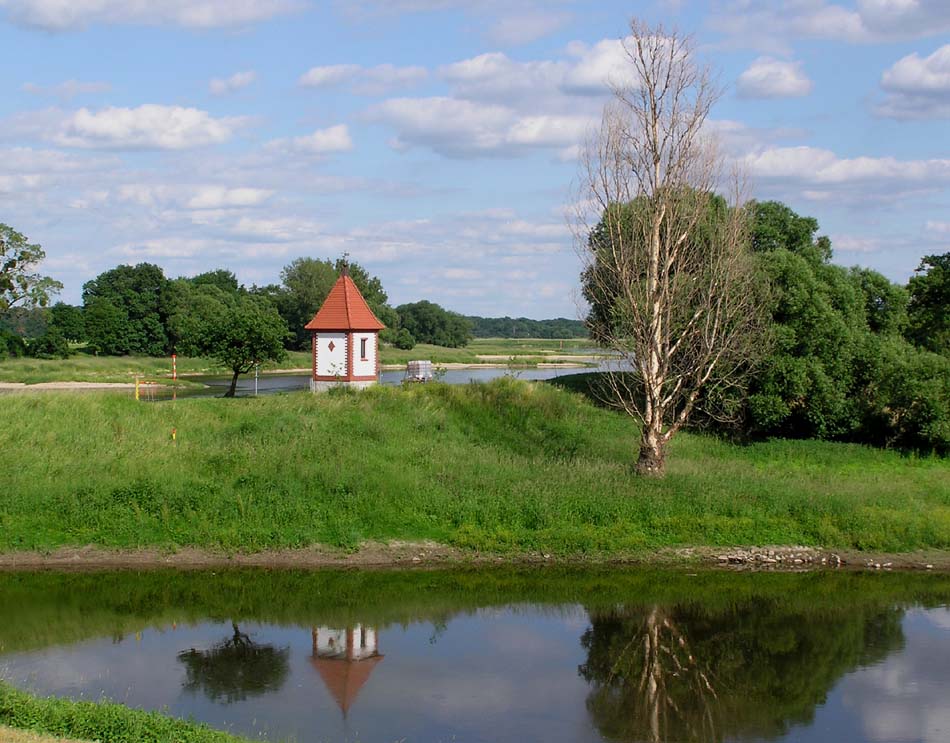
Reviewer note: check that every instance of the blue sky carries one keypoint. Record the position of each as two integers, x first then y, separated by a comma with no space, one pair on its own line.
435,141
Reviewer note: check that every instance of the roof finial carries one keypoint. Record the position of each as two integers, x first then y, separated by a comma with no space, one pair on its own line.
345,270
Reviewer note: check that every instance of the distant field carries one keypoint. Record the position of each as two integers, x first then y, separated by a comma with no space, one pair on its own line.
85,368
507,466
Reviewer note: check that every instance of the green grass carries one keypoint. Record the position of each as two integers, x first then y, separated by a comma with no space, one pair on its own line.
102,721
83,367
507,466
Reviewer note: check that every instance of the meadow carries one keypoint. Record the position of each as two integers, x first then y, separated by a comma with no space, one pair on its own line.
83,367
510,467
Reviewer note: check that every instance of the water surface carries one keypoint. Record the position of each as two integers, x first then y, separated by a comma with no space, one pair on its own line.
496,656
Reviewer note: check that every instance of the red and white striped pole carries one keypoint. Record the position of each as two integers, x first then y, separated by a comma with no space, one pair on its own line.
174,367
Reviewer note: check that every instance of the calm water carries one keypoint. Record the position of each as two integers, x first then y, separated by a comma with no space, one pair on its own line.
270,383
482,656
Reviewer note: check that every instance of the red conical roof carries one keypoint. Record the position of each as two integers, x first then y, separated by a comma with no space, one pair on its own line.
344,678
344,309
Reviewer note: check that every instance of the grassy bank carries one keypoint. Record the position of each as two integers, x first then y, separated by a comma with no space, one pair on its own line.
99,721
83,367
507,466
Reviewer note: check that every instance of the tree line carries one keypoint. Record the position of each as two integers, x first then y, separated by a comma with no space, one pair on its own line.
524,327
138,310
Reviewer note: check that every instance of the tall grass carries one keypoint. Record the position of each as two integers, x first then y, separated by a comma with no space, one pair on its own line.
506,466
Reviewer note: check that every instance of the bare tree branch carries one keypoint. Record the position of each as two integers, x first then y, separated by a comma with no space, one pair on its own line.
668,272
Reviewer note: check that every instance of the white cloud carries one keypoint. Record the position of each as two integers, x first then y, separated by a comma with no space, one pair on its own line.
768,24
938,228
63,15
918,87
820,175
599,67
366,80
25,169
767,77
328,75
68,89
220,197
237,81
189,196
525,27
149,126
321,142
461,128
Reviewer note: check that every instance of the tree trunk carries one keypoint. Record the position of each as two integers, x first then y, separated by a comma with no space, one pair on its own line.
652,459
233,388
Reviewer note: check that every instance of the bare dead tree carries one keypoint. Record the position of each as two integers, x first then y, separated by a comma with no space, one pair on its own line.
667,267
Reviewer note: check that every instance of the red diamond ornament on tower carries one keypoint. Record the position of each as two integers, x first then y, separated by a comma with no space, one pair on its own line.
331,346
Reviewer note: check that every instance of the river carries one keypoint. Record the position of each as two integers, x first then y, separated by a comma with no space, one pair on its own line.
524,655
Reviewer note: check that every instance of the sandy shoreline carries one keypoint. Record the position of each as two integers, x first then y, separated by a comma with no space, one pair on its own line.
39,386
400,554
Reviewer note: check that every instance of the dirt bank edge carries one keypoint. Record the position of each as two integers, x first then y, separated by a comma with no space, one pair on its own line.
401,554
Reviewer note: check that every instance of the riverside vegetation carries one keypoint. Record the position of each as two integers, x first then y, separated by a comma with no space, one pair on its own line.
507,466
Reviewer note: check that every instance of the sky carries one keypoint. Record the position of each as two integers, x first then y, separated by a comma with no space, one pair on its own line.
436,141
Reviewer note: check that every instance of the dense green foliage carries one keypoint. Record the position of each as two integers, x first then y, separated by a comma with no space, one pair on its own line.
250,332
103,721
508,466
838,365
19,284
68,319
929,310
128,310
523,327
427,322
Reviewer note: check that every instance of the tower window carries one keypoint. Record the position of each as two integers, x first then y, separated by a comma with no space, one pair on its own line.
362,348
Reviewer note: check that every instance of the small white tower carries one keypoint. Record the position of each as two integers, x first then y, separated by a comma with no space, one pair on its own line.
345,339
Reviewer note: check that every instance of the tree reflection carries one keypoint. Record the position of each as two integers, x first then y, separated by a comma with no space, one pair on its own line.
687,674
235,668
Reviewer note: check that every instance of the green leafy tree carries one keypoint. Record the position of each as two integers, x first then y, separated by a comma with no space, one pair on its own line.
885,303
19,283
903,395
12,346
306,282
404,340
929,308
51,345
141,293
193,310
427,322
107,327
777,227
68,319
250,332
804,388
221,278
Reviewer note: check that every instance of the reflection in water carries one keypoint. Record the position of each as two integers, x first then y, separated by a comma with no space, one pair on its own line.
558,656
647,682
687,674
235,668
345,659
